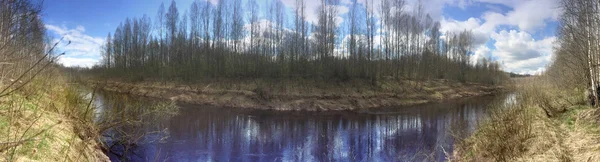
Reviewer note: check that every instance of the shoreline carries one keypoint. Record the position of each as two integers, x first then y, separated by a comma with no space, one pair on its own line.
48,117
547,123
294,95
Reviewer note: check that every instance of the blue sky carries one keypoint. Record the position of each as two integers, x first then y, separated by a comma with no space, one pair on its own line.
517,33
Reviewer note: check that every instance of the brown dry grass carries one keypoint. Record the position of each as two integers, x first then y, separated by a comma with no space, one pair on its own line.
46,121
303,94
547,124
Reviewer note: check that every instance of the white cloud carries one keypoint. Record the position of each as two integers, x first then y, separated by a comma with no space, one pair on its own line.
510,3
480,34
80,28
313,5
457,26
432,7
83,49
214,2
527,15
77,62
342,9
346,2
519,52
480,53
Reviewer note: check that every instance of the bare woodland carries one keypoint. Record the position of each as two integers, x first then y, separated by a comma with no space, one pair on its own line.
577,54
233,40
24,48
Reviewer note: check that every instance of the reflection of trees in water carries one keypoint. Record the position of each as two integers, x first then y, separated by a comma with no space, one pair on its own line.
128,122
222,134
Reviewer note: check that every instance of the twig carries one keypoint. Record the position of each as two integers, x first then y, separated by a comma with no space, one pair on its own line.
27,82
91,100
31,68
7,145
32,138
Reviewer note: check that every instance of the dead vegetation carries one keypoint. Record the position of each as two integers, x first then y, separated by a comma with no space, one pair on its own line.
545,124
304,94
41,117
125,121
552,120
47,121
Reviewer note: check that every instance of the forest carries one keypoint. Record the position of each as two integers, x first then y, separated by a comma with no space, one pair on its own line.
234,40
25,49
577,54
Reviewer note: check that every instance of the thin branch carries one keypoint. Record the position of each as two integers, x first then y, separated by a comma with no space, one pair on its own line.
31,68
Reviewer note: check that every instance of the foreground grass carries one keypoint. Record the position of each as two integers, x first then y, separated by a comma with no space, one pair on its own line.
47,121
546,124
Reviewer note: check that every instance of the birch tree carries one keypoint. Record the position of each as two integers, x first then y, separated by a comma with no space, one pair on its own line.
206,42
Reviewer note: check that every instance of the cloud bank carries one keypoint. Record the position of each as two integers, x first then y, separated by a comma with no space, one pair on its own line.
83,51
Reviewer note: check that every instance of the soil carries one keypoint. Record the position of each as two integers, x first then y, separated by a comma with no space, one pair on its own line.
303,95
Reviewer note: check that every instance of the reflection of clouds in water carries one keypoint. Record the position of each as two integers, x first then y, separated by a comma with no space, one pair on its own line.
307,148
510,100
304,150
340,144
250,127
98,107
214,134
378,139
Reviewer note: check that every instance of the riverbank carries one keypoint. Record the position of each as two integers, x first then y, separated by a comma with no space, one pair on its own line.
547,124
47,120
303,94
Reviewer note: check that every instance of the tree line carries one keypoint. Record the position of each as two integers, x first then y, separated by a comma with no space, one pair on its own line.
577,54
232,40
25,50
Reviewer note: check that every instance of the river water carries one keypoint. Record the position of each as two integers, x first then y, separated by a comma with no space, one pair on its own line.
204,133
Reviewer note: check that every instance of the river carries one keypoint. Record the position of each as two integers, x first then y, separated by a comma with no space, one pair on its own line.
205,133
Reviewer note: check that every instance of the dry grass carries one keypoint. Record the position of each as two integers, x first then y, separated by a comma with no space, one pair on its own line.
500,138
303,94
47,121
583,133
547,124
126,120
308,87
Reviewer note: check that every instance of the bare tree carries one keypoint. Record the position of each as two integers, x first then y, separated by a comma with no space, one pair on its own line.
210,45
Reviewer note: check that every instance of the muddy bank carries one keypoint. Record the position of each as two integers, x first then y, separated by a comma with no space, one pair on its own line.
303,95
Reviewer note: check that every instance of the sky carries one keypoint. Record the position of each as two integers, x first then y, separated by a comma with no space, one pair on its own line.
517,33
